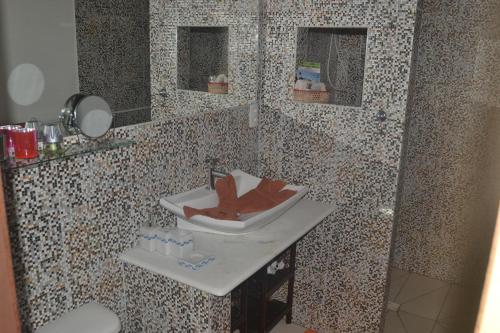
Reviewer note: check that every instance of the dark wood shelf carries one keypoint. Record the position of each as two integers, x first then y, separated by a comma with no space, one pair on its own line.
274,282
257,311
235,319
275,311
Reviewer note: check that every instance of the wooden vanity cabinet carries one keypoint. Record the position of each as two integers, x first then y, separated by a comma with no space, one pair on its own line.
254,309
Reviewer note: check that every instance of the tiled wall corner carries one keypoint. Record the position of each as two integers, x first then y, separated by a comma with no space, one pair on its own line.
446,219
343,154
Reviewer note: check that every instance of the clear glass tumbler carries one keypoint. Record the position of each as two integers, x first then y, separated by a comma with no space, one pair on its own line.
25,143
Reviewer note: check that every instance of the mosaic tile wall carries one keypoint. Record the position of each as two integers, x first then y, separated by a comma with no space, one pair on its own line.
113,55
447,208
159,304
343,154
69,220
93,205
242,20
137,116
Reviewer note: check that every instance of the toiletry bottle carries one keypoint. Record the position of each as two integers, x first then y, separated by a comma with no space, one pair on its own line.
53,139
34,123
3,150
7,131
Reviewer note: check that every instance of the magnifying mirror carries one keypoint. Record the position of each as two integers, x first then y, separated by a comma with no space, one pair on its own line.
88,115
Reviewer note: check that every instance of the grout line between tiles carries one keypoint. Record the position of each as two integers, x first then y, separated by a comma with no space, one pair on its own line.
402,286
425,294
402,322
442,306
420,317
436,320
430,292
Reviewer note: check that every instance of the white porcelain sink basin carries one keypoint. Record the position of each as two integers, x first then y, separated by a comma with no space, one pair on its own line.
202,197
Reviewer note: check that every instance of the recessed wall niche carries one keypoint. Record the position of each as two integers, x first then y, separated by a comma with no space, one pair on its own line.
330,65
202,59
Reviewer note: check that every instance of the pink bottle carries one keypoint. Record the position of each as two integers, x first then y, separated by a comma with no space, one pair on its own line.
7,132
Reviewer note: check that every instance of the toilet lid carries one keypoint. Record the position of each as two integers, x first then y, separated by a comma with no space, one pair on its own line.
89,318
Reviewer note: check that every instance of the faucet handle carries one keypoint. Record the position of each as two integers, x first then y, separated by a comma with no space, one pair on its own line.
212,161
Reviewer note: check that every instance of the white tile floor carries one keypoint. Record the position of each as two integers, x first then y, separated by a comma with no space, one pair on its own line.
429,305
426,306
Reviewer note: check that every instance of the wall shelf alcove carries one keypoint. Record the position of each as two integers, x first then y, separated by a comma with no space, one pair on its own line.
330,64
202,53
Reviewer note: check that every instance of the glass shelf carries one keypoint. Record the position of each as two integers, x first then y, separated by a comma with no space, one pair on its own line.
69,150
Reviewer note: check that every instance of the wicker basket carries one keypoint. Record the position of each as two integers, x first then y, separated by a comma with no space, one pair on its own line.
311,96
217,88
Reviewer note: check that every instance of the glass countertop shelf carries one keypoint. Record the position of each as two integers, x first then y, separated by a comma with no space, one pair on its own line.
68,151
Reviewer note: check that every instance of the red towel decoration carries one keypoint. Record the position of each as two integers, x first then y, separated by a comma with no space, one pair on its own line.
268,194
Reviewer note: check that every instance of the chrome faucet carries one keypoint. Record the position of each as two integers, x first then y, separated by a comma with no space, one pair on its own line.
214,174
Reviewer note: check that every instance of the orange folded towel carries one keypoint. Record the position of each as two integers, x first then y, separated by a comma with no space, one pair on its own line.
268,194
226,191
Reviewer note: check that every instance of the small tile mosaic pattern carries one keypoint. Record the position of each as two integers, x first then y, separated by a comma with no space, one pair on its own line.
343,154
113,55
242,21
69,220
125,118
93,205
448,205
158,304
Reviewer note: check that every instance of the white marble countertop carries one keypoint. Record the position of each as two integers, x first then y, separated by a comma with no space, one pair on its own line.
237,257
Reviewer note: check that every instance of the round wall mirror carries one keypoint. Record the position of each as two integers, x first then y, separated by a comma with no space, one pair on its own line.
87,115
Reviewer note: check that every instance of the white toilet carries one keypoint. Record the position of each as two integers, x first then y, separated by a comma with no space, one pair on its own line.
89,318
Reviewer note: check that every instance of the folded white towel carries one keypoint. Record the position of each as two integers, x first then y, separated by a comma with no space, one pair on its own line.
318,86
221,78
302,84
